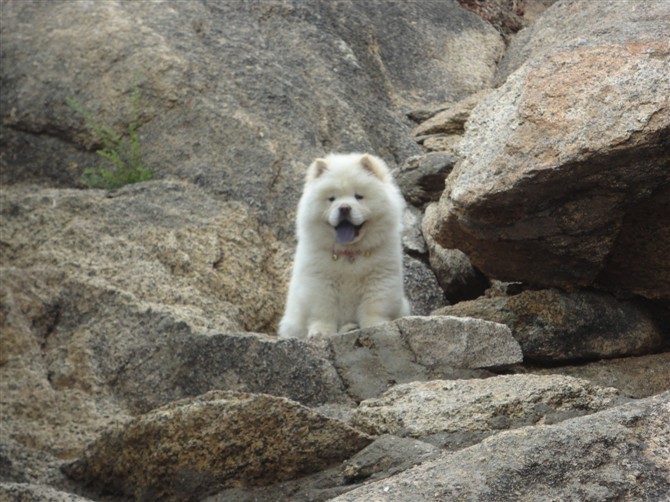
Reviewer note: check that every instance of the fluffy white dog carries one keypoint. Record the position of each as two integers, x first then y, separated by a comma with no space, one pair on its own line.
347,271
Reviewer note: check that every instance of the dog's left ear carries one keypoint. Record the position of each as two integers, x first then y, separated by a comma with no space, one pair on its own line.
318,167
374,166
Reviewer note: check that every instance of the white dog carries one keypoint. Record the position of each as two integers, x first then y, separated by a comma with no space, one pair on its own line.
347,271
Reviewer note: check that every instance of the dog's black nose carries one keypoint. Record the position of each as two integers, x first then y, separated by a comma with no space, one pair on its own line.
345,209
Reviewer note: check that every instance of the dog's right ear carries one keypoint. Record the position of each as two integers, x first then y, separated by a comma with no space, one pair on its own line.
318,167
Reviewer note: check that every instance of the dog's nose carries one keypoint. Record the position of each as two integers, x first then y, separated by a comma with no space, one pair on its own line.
345,209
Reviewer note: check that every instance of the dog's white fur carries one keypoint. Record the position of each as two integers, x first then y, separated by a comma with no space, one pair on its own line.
336,287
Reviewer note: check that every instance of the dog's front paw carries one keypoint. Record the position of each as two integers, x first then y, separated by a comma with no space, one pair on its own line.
321,330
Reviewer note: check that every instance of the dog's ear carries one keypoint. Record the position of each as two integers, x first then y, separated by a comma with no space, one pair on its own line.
318,167
374,166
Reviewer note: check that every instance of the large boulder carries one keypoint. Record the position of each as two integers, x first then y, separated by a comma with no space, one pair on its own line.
565,174
191,448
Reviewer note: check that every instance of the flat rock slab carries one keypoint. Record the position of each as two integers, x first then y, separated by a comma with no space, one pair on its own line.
191,448
456,413
617,454
420,348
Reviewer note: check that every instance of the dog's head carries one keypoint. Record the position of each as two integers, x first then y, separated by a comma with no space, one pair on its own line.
351,194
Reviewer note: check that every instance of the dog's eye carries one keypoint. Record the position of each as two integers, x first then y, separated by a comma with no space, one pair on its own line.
358,196
331,199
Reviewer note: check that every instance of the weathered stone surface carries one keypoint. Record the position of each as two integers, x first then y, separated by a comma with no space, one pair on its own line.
412,238
458,278
420,348
75,357
635,377
506,15
445,341
450,119
457,413
165,243
554,326
26,492
421,178
563,162
440,143
227,101
621,453
369,361
566,22
190,448
385,456
113,303
421,287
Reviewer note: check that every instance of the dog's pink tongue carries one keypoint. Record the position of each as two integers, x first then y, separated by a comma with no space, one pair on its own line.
345,232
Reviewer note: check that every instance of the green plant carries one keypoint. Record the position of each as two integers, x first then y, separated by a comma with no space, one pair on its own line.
123,156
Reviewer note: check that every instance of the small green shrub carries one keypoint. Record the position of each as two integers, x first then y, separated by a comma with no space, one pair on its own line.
123,157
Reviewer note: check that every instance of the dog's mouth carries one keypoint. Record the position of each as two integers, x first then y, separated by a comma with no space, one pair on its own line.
346,232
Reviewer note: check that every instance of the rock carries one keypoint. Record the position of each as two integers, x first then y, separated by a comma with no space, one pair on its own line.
450,119
444,341
190,448
635,377
457,277
457,413
506,15
164,360
421,287
412,238
165,243
244,362
565,23
620,453
385,456
566,162
421,178
555,326
232,110
440,142
420,348
26,492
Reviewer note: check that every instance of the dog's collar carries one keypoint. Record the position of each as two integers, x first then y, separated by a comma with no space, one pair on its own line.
350,254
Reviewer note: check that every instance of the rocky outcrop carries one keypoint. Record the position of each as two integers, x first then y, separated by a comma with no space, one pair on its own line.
564,166
615,454
259,88
138,356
